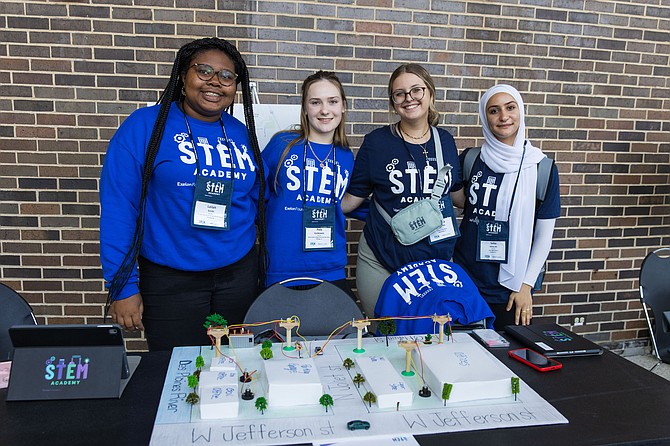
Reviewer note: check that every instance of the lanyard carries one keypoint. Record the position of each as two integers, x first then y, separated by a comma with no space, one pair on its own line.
195,150
516,182
304,178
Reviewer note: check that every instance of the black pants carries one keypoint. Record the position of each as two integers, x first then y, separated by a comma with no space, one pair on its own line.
176,303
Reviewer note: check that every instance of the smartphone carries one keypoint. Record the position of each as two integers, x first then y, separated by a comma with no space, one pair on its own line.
535,360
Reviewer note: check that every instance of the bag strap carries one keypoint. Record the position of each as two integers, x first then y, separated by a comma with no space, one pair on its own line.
544,170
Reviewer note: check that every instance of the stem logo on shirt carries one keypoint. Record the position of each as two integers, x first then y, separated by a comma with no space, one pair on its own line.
482,196
411,182
220,159
58,373
320,185
419,278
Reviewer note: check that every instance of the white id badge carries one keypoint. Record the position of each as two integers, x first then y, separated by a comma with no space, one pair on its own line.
449,228
211,204
318,225
492,241
318,238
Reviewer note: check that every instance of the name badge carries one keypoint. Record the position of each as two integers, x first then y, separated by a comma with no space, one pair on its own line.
449,228
318,228
211,204
492,241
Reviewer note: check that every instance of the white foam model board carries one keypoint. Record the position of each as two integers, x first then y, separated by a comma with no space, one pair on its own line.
472,372
222,363
385,382
292,382
219,402
225,378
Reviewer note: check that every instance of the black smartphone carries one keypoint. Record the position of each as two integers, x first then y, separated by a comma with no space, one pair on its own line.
535,360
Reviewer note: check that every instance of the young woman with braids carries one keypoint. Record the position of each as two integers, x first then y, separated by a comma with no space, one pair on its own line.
181,190
309,170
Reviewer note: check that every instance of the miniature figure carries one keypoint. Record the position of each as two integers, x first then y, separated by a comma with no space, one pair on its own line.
516,386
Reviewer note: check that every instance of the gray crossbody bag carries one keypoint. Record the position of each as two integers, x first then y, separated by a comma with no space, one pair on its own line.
418,220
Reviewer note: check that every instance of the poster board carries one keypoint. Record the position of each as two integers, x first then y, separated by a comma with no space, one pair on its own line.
270,119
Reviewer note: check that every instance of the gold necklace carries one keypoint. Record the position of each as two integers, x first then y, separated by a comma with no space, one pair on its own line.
322,162
414,137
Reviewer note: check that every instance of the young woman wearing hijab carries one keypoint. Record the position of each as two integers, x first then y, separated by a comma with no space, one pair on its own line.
309,170
181,191
398,165
505,236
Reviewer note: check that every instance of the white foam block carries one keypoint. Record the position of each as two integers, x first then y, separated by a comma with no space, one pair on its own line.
292,382
385,382
471,370
222,363
219,402
226,378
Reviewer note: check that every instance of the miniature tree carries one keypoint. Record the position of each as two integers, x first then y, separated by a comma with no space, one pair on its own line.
387,327
261,404
515,386
192,398
348,363
326,400
215,320
358,379
369,398
428,339
266,353
446,392
266,344
217,327
199,364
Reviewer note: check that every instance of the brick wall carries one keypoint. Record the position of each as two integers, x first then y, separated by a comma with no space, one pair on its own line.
595,76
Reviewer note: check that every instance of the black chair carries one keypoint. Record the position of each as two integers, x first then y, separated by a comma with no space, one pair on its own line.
14,311
655,295
320,309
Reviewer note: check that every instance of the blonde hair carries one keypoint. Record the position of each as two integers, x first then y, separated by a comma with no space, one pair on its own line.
417,70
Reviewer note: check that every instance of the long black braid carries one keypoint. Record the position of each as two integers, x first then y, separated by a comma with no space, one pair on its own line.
171,93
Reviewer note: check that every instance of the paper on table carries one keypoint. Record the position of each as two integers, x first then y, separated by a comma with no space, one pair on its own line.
4,374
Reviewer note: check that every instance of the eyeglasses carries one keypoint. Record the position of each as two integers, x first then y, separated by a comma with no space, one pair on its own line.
416,93
206,73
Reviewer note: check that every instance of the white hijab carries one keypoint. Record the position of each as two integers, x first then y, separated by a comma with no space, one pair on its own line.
502,158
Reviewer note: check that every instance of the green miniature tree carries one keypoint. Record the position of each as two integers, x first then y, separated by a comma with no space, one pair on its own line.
261,404
266,344
192,398
428,339
388,328
348,363
199,364
359,379
516,386
215,320
446,392
266,353
369,398
326,400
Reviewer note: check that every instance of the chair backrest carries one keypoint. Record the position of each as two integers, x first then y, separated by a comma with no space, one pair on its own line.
14,311
321,309
655,292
